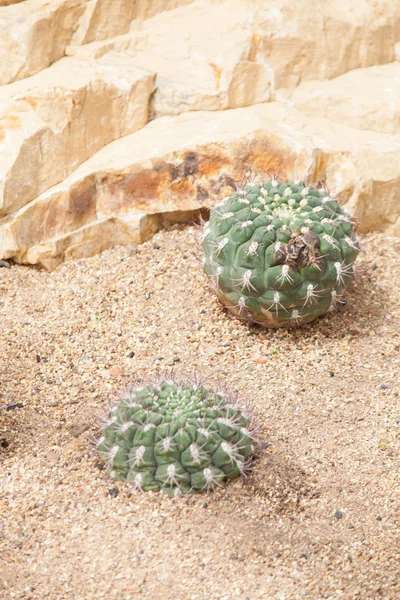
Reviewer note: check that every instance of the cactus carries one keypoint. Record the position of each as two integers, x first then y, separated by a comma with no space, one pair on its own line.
178,438
280,254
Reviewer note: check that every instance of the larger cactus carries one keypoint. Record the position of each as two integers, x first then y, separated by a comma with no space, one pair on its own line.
280,254
177,438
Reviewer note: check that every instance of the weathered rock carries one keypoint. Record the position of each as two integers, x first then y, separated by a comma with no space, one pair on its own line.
176,165
364,98
8,2
104,19
300,42
256,49
207,55
200,70
34,34
54,121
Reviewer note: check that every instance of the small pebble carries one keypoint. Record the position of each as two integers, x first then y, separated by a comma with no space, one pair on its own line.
79,428
113,492
338,514
14,406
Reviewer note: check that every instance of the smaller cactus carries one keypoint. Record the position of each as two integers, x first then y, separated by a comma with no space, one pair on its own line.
176,438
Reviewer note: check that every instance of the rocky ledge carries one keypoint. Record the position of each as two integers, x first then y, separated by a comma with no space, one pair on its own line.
117,119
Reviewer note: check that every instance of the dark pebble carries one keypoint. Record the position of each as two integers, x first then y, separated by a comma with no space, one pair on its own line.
176,359
332,373
4,444
303,555
338,514
383,387
14,406
234,556
156,246
38,358
379,518
374,267
5,264
131,354
113,492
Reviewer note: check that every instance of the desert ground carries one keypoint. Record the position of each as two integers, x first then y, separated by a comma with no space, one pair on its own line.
319,516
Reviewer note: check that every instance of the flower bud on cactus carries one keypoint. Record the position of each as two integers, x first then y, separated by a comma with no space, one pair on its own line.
280,254
176,438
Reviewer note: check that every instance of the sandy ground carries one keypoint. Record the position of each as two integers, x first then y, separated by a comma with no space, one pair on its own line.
318,518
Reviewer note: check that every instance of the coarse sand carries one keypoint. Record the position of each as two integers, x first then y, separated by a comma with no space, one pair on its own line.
319,517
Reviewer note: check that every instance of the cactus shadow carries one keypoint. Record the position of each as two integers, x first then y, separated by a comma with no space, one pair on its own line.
364,309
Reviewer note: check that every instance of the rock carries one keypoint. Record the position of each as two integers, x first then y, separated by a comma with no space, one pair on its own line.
79,428
256,51
34,34
345,100
134,186
14,406
72,185
104,19
54,121
200,71
178,165
302,43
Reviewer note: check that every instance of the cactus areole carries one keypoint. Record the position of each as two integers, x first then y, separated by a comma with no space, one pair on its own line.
279,254
176,438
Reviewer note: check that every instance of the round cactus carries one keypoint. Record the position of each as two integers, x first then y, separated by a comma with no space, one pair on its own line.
176,438
280,254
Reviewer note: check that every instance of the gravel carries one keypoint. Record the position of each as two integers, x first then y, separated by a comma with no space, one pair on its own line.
326,396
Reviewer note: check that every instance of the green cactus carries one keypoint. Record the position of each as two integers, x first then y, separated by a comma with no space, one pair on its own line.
176,438
280,254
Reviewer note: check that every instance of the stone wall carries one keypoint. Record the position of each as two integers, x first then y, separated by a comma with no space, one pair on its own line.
118,117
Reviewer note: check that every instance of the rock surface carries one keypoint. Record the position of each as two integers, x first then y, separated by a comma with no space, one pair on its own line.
364,98
54,121
34,34
314,93
104,19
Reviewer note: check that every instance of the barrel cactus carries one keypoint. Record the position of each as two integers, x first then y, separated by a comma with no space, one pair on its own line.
280,254
178,438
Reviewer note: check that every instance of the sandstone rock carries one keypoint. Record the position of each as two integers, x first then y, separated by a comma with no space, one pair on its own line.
8,2
300,42
200,70
364,98
34,34
177,165
226,55
103,19
54,121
